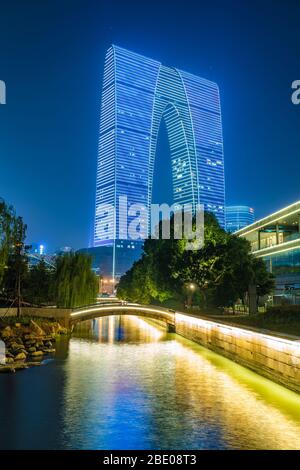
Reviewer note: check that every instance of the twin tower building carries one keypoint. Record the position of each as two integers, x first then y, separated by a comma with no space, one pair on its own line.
138,93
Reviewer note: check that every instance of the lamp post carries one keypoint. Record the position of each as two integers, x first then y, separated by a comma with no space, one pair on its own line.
191,289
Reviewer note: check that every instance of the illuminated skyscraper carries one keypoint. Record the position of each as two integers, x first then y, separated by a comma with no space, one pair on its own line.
238,217
138,93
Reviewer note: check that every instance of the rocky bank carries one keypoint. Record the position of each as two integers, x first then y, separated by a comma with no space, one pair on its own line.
27,343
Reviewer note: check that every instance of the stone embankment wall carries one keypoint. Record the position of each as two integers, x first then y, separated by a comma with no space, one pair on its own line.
60,314
273,356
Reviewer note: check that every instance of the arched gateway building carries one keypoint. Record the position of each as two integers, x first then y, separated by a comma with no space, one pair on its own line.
138,93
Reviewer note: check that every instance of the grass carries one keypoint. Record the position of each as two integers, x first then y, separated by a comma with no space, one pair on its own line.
288,323
175,304
282,319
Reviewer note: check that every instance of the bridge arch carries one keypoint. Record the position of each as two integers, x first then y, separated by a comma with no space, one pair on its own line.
147,311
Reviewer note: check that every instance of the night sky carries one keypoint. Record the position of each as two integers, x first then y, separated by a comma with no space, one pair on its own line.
52,56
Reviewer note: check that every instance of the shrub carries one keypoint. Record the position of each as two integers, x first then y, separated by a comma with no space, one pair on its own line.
283,314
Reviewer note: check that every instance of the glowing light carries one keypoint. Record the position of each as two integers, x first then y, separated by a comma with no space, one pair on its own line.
124,308
111,329
274,342
155,332
270,219
107,300
270,250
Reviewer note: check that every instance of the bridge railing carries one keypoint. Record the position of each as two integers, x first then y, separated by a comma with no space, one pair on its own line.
111,304
99,304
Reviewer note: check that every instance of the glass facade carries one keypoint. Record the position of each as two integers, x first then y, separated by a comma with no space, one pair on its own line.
286,268
238,217
286,263
276,239
138,93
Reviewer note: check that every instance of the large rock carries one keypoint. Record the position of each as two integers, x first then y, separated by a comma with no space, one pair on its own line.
9,360
6,333
29,337
13,367
36,354
20,357
36,328
49,350
15,347
49,328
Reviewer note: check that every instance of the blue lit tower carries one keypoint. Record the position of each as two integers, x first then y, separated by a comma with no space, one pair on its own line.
238,217
137,93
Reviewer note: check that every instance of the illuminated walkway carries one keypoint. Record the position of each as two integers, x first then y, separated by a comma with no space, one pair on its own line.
272,355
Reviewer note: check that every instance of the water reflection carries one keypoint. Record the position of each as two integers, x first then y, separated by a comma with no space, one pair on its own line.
124,383
170,394
120,329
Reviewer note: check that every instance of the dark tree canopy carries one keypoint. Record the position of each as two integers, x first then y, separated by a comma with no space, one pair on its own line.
71,283
75,284
221,271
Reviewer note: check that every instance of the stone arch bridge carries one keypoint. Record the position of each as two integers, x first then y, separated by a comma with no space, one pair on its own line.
105,309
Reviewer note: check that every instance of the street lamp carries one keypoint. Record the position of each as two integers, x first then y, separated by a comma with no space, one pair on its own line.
191,289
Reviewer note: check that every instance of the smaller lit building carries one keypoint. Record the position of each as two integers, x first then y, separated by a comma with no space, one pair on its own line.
37,248
111,262
238,217
276,239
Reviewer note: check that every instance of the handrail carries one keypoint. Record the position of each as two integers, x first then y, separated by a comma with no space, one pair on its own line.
99,305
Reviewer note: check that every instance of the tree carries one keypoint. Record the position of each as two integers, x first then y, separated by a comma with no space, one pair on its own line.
72,283
75,283
7,218
40,284
263,280
220,272
16,267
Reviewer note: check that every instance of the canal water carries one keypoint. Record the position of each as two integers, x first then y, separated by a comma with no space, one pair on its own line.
122,383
